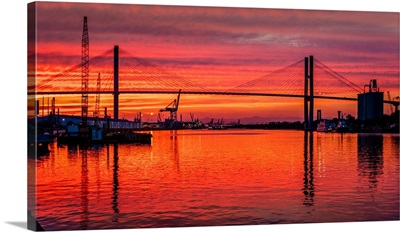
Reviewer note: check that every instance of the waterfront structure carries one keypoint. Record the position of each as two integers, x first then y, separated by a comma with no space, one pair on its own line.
370,104
65,120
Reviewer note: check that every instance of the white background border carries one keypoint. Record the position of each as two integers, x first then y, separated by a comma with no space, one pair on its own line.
13,55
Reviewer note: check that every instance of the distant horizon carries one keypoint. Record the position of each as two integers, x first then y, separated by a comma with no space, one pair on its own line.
246,120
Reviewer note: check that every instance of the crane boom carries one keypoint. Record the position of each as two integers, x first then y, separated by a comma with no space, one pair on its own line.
177,101
172,107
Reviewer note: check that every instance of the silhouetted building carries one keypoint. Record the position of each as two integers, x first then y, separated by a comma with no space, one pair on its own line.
370,104
319,115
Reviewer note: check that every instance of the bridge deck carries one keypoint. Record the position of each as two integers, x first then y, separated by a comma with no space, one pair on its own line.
202,93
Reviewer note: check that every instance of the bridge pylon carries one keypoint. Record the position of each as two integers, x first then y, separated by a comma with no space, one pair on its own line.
308,93
116,81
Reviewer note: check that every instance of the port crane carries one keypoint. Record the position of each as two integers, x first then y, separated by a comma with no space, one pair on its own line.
195,124
97,105
172,108
85,72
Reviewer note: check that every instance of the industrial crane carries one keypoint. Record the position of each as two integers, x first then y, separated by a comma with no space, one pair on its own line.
85,71
97,105
196,124
172,108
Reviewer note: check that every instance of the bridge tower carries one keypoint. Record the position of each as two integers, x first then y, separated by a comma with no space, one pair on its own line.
308,93
85,71
116,87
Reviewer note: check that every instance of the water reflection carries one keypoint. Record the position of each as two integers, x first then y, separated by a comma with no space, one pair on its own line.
72,150
84,189
108,155
308,188
175,149
193,182
115,188
96,153
41,152
370,158
394,141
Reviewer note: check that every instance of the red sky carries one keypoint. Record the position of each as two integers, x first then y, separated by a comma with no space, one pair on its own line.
221,48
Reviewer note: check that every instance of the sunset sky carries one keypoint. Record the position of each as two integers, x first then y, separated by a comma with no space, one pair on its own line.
221,48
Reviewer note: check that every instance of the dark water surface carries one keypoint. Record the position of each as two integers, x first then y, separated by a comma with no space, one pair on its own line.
229,177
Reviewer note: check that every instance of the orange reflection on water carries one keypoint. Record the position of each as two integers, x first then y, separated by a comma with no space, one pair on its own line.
203,177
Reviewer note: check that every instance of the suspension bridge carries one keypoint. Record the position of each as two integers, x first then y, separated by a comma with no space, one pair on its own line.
122,72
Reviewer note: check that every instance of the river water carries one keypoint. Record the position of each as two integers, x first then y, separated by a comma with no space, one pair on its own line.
220,177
